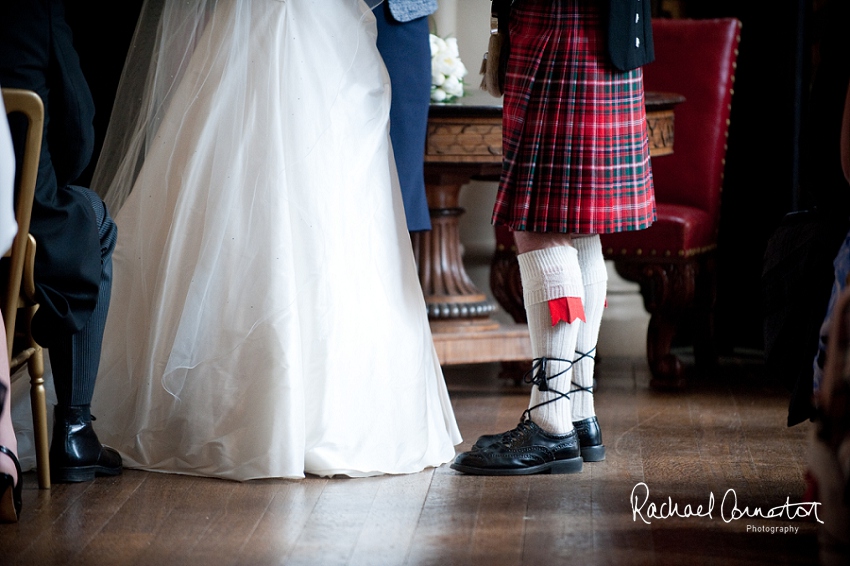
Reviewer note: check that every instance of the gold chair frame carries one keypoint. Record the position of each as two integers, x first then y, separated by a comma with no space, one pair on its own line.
20,286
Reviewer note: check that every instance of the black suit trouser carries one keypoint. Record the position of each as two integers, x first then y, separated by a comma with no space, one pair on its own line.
75,358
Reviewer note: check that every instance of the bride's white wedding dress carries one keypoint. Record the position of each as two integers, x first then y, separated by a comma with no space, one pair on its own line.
266,317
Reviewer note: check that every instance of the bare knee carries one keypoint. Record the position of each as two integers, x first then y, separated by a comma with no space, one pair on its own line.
530,241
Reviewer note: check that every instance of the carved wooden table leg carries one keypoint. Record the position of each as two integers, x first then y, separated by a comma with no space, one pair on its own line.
453,300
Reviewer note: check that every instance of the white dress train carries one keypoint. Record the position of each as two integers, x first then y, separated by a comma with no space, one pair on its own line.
266,316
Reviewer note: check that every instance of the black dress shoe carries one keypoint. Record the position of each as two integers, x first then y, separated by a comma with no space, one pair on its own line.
525,450
76,454
10,493
589,439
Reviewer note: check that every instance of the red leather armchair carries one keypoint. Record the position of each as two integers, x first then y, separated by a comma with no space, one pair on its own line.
674,259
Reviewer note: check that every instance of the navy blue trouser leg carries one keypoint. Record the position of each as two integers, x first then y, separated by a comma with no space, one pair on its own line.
406,51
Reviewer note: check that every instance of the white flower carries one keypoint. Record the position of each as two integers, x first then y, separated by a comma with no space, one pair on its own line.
453,86
447,65
438,95
461,69
437,44
451,46
447,70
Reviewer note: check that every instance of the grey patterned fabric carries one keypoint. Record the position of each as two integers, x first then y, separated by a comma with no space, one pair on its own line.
406,10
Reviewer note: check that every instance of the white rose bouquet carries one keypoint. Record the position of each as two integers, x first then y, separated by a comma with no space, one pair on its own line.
447,70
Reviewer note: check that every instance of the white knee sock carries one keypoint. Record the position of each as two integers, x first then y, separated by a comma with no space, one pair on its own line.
595,278
548,275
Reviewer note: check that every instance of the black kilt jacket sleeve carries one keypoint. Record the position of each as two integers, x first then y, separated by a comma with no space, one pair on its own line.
630,33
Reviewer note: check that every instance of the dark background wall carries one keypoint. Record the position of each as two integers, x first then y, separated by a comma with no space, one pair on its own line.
102,31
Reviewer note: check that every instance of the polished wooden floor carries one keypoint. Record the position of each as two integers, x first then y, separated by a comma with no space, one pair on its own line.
725,436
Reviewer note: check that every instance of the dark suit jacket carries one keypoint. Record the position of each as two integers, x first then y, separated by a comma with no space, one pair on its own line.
37,53
629,30
630,33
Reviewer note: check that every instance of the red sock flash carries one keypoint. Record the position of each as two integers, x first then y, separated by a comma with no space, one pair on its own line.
567,309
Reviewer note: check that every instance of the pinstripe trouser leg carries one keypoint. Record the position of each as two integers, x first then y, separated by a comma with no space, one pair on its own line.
75,358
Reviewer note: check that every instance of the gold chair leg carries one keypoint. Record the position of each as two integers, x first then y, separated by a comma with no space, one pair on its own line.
38,398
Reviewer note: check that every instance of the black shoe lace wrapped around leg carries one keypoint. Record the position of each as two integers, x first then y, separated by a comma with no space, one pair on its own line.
537,375
581,356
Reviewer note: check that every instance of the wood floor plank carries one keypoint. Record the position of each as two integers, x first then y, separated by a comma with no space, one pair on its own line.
200,509
498,536
446,525
282,522
556,527
40,510
242,508
726,431
135,525
336,522
81,520
615,533
392,520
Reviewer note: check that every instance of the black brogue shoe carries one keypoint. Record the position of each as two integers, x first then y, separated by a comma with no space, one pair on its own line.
589,438
526,450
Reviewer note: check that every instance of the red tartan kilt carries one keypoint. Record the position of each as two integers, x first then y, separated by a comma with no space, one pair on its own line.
576,152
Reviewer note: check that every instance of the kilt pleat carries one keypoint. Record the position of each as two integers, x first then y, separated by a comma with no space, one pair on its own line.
576,151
